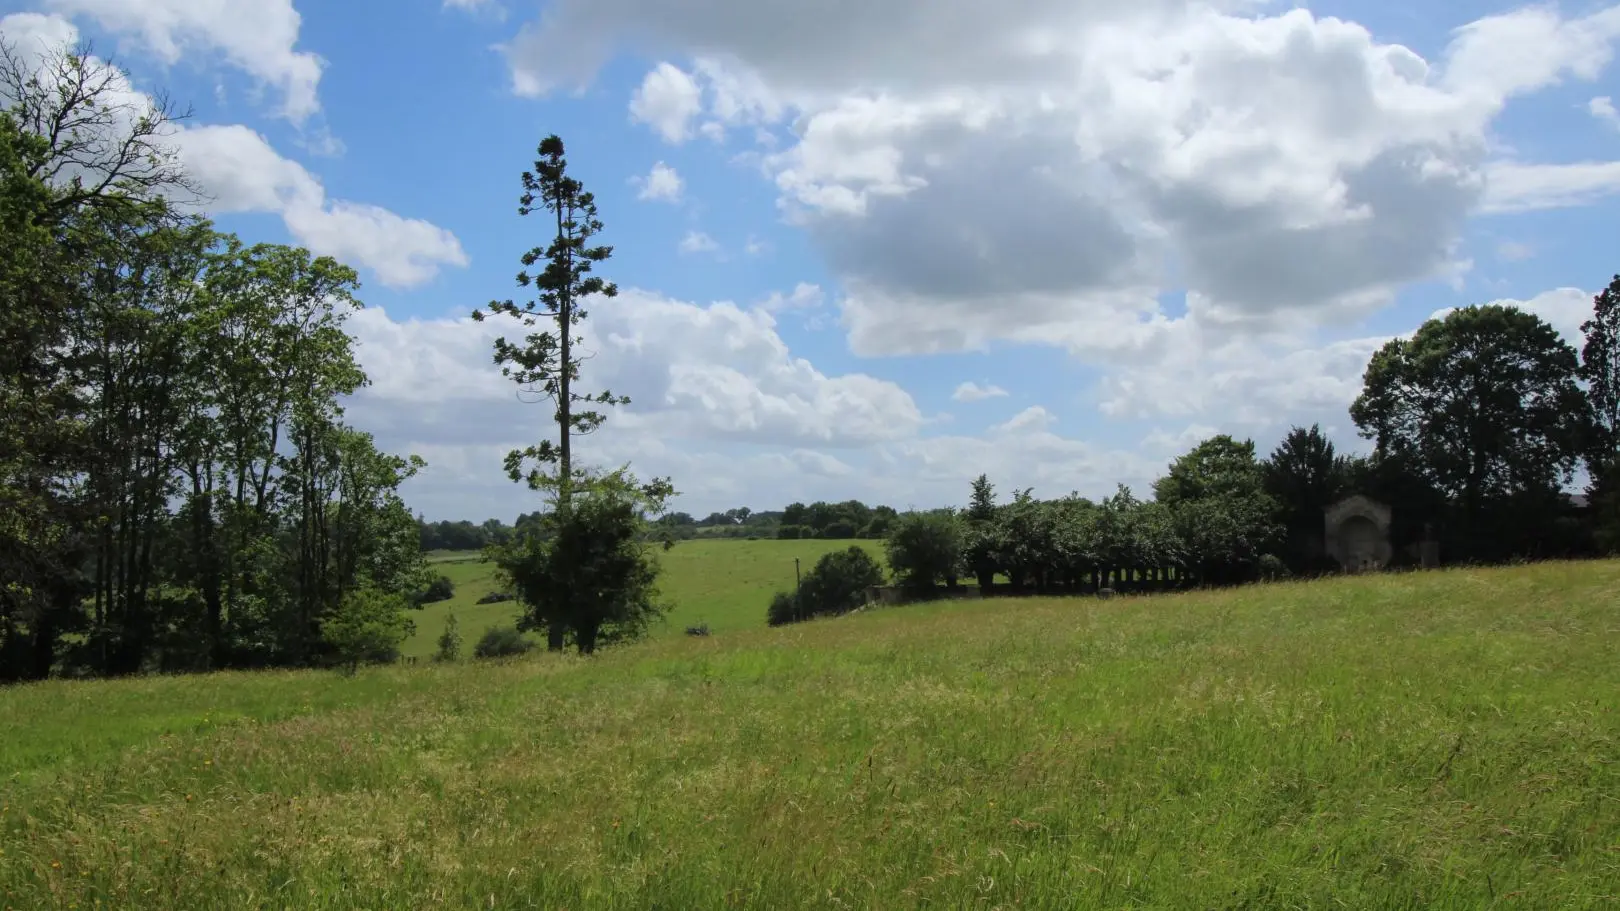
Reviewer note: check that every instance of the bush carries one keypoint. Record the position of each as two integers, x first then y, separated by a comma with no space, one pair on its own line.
790,532
784,609
1272,567
368,627
441,589
502,642
837,584
838,531
449,641
496,598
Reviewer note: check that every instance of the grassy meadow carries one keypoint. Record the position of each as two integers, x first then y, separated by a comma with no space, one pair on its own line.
726,583
1427,740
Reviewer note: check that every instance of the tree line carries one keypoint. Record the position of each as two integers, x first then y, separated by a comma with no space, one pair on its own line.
178,488
1479,422
822,520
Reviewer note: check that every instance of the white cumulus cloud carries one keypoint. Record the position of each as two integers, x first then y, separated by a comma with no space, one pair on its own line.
258,37
667,100
973,392
698,242
662,184
242,173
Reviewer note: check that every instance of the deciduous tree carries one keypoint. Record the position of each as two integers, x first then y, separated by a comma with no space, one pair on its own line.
1482,403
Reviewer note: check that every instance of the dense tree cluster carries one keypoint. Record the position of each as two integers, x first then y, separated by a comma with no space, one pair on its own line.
1479,420
835,521
178,489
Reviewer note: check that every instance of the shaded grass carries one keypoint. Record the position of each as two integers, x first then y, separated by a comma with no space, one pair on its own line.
1437,740
724,583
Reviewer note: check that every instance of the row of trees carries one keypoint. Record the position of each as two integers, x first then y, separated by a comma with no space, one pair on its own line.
1479,422
831,521
178,488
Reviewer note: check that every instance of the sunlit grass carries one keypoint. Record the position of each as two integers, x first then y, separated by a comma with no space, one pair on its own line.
1438,740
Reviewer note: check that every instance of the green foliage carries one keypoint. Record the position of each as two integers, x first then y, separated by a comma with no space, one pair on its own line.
1222,515
544,362
177,488
786,607
838,582
367,627
440,589
587,567
836,585
839,531
1482,404
1304,476
502,642
1218,467
925,549
1600,368
982,503
790,532
449,640
1273,568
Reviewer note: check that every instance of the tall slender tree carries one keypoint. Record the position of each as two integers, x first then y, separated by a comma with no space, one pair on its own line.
546,361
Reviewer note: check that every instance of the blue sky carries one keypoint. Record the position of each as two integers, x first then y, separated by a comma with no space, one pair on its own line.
1128,225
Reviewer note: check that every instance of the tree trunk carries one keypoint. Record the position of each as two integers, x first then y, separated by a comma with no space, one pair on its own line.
586,634
556,633
565,405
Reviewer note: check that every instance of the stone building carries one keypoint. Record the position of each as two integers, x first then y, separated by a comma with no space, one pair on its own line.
1356,533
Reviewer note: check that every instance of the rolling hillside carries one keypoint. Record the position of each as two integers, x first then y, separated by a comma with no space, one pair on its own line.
1436,740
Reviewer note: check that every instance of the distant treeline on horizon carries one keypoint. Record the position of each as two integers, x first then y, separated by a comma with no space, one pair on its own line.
833,521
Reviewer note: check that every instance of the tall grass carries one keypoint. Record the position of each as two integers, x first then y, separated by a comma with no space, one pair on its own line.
1438,740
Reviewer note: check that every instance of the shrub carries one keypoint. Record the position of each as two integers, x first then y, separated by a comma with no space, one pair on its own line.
440,589
368,627
790,532
838,531
501,642
496,598
449,641
1272,567
837,584
784,609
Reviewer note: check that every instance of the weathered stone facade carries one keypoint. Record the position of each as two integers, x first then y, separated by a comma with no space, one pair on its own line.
1356,533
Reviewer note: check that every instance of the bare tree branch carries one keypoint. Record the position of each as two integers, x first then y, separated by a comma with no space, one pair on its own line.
104,142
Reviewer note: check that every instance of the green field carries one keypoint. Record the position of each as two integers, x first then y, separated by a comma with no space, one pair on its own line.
724,583
1428,740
